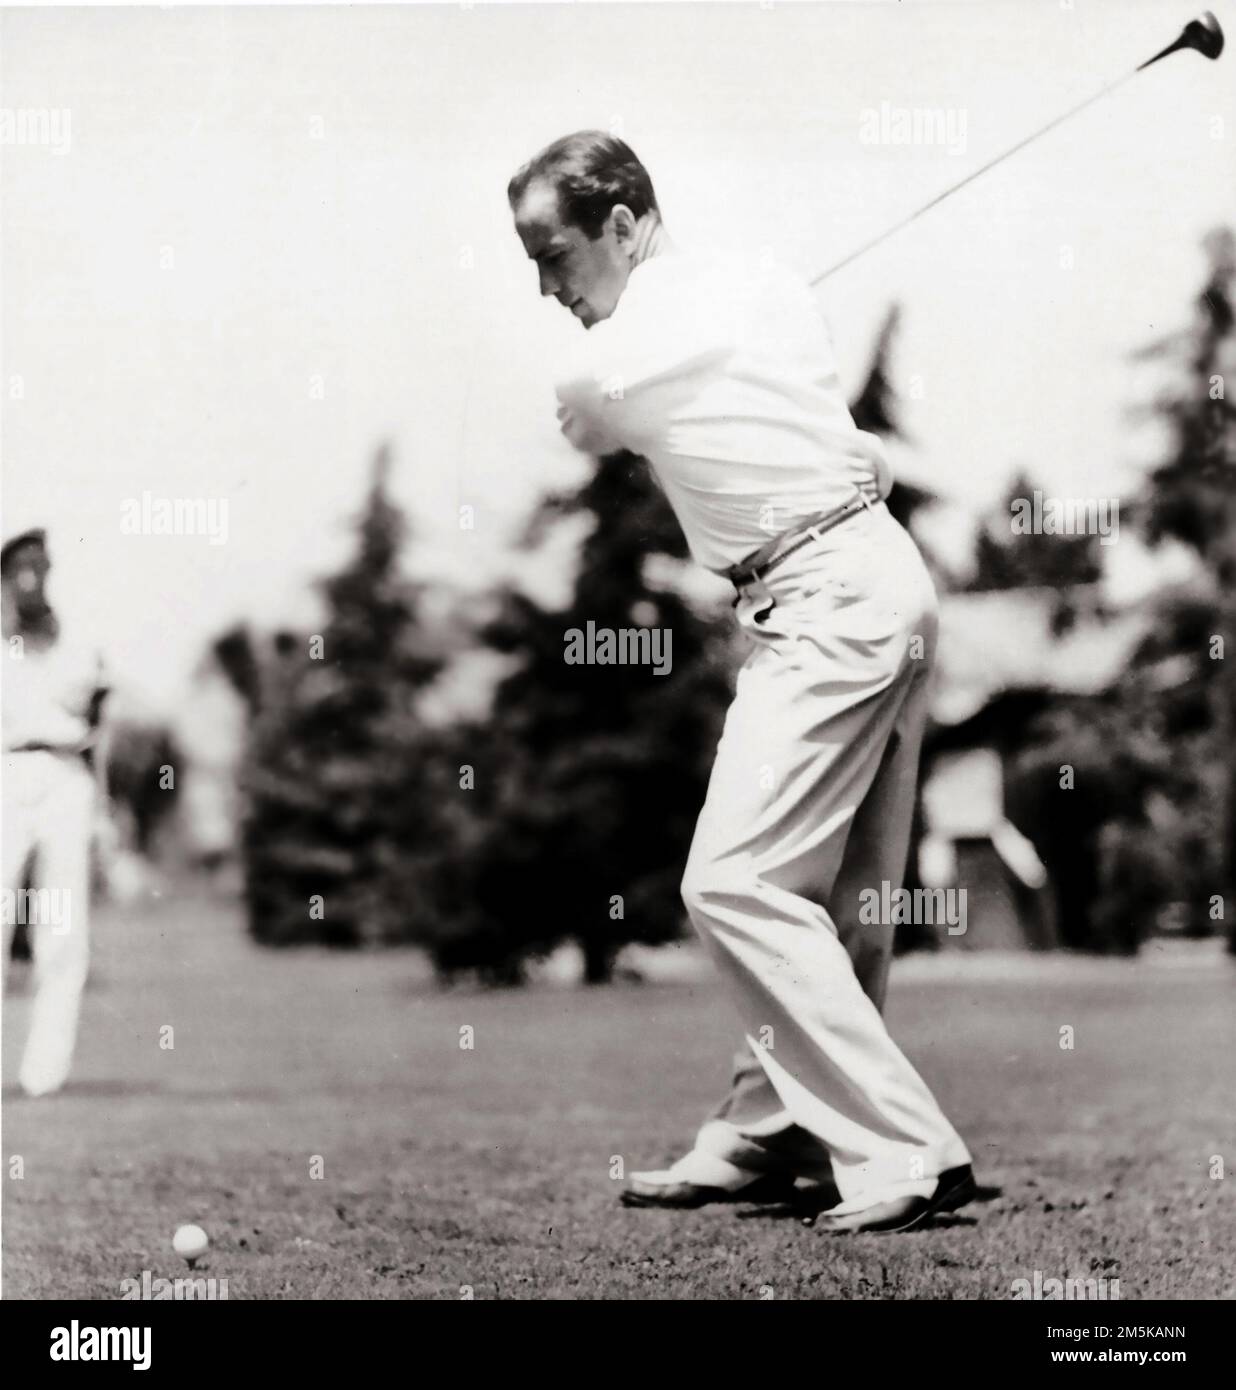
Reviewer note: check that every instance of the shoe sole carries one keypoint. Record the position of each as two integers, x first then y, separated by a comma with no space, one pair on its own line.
764,1190
953,1198
956,1197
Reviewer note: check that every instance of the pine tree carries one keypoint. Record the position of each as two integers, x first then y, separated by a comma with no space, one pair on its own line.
1005,559
597,772
337,757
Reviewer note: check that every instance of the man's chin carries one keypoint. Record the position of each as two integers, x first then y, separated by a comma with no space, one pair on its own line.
585,314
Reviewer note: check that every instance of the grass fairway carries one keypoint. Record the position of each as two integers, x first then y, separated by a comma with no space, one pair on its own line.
443,1167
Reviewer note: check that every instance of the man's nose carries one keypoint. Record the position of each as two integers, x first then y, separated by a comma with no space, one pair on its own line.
549,285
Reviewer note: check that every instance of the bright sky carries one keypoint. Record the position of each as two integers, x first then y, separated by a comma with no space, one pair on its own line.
278,237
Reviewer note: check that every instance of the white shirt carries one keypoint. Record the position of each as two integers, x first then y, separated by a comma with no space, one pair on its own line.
47,694
723,377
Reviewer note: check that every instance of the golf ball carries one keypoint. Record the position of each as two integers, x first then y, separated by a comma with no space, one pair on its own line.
190,1242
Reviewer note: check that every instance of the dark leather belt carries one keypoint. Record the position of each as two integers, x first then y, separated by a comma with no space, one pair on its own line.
781,547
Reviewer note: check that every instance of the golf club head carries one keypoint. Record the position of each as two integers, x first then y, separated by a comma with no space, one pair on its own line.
1203,34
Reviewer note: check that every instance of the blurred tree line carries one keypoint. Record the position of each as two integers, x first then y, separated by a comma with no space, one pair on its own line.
1191,497
565,813
1146,835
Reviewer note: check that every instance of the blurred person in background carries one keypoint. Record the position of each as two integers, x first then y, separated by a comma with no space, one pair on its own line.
53,801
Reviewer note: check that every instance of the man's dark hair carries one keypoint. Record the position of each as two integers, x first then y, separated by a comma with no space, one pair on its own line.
35,616
16,546
592,173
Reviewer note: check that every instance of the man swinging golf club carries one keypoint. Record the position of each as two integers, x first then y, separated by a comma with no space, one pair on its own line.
722,376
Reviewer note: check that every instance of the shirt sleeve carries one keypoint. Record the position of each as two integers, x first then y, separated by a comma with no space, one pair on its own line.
660,333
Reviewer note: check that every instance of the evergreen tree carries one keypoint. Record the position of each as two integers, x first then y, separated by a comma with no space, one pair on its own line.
597,771
1007,559
337,756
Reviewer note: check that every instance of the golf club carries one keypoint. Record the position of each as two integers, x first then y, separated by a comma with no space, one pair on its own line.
1203,34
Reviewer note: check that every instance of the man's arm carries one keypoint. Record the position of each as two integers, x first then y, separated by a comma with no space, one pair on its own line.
580,427
661,332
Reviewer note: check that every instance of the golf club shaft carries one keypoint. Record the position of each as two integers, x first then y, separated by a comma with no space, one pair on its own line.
974,174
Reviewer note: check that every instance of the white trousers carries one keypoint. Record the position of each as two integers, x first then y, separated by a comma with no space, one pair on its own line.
48,806
807,816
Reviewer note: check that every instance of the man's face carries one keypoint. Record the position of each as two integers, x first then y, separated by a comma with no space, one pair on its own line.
586,277
25,579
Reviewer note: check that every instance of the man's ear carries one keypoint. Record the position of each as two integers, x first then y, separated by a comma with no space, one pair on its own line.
623,221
